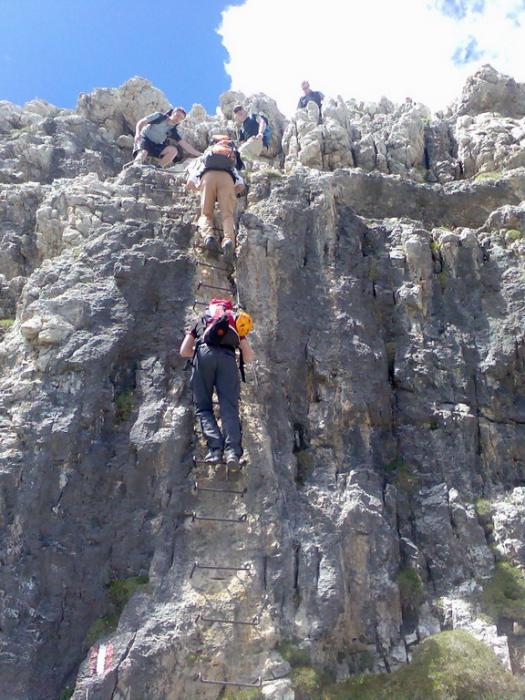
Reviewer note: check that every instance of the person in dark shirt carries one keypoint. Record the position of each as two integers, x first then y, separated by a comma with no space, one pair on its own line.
215,367
251,132
309,96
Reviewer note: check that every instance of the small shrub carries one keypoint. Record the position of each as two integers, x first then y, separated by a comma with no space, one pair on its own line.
483,509
402,475
66,694
121,590
447,666
513,235
435,246
123,406
192,658
489,175
102,627
410,588
307,682
6,323
305,466
503,596
294,654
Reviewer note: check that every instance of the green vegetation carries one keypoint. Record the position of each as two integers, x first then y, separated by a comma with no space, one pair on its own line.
402,475
66,694
6,323
448,666
193,657
435,246
511,235
489,175
123,406
483,509
293,653
119,591
503,596
305,466
359,661
410,588
102,627
308,682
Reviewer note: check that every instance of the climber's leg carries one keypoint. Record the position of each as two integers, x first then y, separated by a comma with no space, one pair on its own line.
228,392
202,383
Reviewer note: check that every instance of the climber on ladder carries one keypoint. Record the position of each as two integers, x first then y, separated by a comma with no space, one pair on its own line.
216,176
212,343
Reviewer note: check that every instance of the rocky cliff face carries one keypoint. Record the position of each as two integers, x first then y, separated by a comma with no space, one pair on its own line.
381,254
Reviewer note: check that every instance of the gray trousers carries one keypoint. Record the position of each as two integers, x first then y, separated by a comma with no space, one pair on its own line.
217,367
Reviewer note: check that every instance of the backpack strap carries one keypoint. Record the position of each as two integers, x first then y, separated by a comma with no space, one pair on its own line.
241,366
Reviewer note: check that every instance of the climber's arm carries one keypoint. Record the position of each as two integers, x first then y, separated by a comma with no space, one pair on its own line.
247,352
188,345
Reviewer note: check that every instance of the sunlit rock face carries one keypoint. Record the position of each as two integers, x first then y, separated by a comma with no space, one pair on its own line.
381,255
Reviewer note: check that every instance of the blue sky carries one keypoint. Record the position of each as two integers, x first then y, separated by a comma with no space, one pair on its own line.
194,50
56,49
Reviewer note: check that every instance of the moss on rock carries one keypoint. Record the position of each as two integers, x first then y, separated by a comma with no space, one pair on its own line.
410,588
503,595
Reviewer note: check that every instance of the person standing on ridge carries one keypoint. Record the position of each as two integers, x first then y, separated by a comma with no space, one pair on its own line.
309,96
152,134
212,342
216,176
254,132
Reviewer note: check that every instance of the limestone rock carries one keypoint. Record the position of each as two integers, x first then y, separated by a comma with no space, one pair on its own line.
386,283
490,91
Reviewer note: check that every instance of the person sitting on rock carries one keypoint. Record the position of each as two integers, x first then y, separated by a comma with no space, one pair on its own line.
216,176
212,342
309,96
152,135
254,132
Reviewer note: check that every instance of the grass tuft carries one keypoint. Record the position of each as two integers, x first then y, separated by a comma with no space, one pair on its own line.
503,596
410,588
123,406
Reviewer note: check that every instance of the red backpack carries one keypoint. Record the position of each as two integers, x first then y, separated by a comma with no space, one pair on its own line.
218,329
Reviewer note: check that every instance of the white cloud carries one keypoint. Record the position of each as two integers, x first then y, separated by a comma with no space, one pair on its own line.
367,49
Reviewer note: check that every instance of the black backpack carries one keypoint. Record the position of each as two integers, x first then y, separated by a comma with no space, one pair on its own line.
220,156
217,332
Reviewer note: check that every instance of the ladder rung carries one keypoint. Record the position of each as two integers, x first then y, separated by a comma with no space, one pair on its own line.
241,519
251,623
242,684
235,492
214,267
212,567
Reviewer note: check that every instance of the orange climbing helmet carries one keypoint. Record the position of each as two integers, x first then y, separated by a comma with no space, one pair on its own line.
243,323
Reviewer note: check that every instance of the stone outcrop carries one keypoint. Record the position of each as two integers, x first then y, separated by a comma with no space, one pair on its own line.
386,281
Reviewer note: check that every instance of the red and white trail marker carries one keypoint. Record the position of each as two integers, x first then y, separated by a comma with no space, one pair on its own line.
100,659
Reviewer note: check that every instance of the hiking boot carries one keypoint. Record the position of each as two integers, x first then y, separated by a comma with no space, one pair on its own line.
231,459
214,457
211,244
228,251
